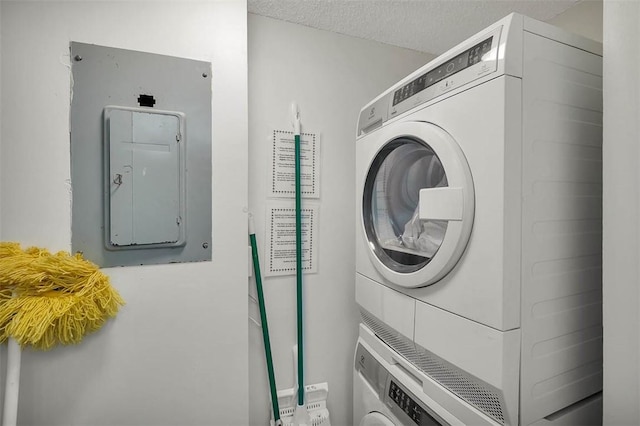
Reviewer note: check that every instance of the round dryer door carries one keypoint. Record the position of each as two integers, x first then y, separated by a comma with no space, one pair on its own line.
376,419
418,205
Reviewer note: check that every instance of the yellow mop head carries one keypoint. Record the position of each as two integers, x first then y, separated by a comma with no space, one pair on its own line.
48,299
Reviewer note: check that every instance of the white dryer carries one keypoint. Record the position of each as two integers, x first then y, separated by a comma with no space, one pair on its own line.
478,243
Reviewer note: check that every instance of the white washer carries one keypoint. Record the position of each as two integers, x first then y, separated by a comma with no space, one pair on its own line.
478,243
389,391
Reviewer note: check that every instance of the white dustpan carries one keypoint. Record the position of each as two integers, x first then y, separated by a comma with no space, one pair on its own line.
316,396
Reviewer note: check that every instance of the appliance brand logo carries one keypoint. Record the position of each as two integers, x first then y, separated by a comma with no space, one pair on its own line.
362,361
372,112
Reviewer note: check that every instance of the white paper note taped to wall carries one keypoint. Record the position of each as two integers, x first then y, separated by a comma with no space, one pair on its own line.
281,238
282,173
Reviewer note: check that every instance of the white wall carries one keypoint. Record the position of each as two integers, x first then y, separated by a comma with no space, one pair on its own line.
585,18
621,213
331,77
0,121
177,352
617,26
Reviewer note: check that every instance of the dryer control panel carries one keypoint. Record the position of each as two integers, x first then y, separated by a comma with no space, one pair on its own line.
464,60
468,62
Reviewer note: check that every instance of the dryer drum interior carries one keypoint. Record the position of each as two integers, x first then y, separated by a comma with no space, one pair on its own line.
400,240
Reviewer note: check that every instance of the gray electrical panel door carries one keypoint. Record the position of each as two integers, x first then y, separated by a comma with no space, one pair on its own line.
145,176
140,157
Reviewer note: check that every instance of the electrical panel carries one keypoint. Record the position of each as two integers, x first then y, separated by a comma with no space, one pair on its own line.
141,157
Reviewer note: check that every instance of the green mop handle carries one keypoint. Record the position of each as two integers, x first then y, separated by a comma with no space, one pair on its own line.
263,320
299,266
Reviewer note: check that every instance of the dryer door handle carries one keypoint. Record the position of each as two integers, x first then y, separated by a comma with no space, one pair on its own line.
446,203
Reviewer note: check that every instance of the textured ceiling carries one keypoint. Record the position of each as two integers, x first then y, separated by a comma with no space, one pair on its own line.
431,26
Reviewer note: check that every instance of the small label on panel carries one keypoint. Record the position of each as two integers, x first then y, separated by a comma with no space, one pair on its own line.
281,238
282,182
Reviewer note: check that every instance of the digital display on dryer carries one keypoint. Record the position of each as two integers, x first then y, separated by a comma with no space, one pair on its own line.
410,407
464,60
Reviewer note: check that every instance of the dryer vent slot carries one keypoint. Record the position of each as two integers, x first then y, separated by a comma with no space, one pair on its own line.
476,394
467,387
391,337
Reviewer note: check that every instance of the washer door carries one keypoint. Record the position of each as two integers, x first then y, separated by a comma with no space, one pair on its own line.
418,205
376,419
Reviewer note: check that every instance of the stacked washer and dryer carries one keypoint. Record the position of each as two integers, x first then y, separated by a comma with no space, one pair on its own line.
478,241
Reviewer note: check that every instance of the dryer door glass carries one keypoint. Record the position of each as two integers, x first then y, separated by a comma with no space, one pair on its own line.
398,237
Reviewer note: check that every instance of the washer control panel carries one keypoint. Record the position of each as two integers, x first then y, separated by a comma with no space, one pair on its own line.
407,403
401,402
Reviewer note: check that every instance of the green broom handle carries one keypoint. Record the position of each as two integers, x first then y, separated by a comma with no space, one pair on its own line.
299,274
265,327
